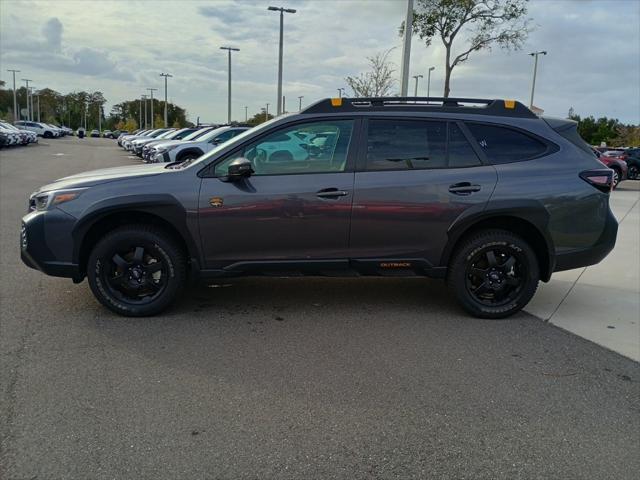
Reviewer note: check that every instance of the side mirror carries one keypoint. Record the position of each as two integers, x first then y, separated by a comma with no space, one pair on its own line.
239,168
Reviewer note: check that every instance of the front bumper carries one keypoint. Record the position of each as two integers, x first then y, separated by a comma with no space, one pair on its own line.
591,255
46,243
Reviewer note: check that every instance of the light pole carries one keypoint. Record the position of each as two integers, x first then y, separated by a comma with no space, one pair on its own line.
152,90
33,116
429,80
266,113
340,92
15,98
229,50
140,112
166,121
38,100
246,114
144,99
535,71
406,50
300,102
415,91
282,12
27,80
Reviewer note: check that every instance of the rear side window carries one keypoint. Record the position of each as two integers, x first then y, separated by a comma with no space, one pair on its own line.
406,145
504,145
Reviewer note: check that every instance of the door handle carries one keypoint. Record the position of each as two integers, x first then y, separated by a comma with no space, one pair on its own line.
464,188
331,193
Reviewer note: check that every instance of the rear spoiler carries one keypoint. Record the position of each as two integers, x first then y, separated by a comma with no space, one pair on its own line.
560,124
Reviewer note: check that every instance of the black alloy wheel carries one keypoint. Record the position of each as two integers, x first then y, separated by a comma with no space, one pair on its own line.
136,270
493,273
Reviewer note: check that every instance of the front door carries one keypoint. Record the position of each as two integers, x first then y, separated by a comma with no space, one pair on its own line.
414,179
296,206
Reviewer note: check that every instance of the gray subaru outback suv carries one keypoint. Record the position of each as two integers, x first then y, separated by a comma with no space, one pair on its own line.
482,193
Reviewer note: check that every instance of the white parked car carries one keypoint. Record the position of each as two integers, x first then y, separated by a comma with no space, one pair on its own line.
26,136
40,129
184,150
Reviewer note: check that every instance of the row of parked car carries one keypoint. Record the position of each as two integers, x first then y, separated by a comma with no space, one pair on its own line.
177,145
625,162
11,136
45,130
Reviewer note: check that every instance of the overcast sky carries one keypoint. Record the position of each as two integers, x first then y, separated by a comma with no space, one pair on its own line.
121,47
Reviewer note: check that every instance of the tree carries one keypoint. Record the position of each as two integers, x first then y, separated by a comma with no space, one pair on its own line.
376,83
259,118
486,23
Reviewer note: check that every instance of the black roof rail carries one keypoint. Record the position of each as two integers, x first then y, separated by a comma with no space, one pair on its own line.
505,108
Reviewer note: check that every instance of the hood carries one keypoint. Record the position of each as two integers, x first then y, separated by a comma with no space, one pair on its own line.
168,143
96,177
145,140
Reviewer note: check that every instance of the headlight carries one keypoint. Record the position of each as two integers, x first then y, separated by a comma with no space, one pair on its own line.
43,201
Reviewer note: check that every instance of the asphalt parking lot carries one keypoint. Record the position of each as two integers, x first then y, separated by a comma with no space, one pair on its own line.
290,378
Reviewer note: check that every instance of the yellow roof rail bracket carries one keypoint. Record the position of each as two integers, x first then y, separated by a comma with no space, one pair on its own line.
336,102
509,104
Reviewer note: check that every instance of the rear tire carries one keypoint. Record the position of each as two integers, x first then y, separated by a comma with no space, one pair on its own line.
633,172
136,270
493,274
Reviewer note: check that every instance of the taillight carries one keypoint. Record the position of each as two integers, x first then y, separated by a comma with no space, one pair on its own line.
602,179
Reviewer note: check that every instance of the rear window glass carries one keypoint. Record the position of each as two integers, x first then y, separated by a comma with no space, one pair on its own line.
406,145
460,152
504,145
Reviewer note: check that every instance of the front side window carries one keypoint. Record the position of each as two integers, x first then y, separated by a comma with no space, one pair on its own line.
406,144
504,145
313,147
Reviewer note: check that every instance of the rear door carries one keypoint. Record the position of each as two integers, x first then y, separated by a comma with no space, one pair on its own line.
414,178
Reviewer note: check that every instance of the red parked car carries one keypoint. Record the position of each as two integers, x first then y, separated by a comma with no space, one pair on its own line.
615,161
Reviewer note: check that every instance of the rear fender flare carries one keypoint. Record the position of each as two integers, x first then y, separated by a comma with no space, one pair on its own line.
530,211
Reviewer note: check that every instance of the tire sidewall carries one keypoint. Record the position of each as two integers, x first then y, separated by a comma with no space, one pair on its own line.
104,251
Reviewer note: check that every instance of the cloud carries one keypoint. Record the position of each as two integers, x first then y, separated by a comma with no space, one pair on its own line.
592,63
52,31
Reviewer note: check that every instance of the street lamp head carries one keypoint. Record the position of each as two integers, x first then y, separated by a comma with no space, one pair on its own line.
431,69
544,52
282,9
230,48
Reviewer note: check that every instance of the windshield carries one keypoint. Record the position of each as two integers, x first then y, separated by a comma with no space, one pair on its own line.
234,141
212,133
197,134
167,134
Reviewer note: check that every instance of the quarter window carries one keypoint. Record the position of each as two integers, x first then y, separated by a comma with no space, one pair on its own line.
314,147
406,145
504,145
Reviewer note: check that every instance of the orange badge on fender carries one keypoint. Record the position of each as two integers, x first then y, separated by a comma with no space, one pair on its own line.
216,201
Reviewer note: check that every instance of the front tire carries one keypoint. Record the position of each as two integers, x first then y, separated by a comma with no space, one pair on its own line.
633,172
493,274
47,135
136,270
